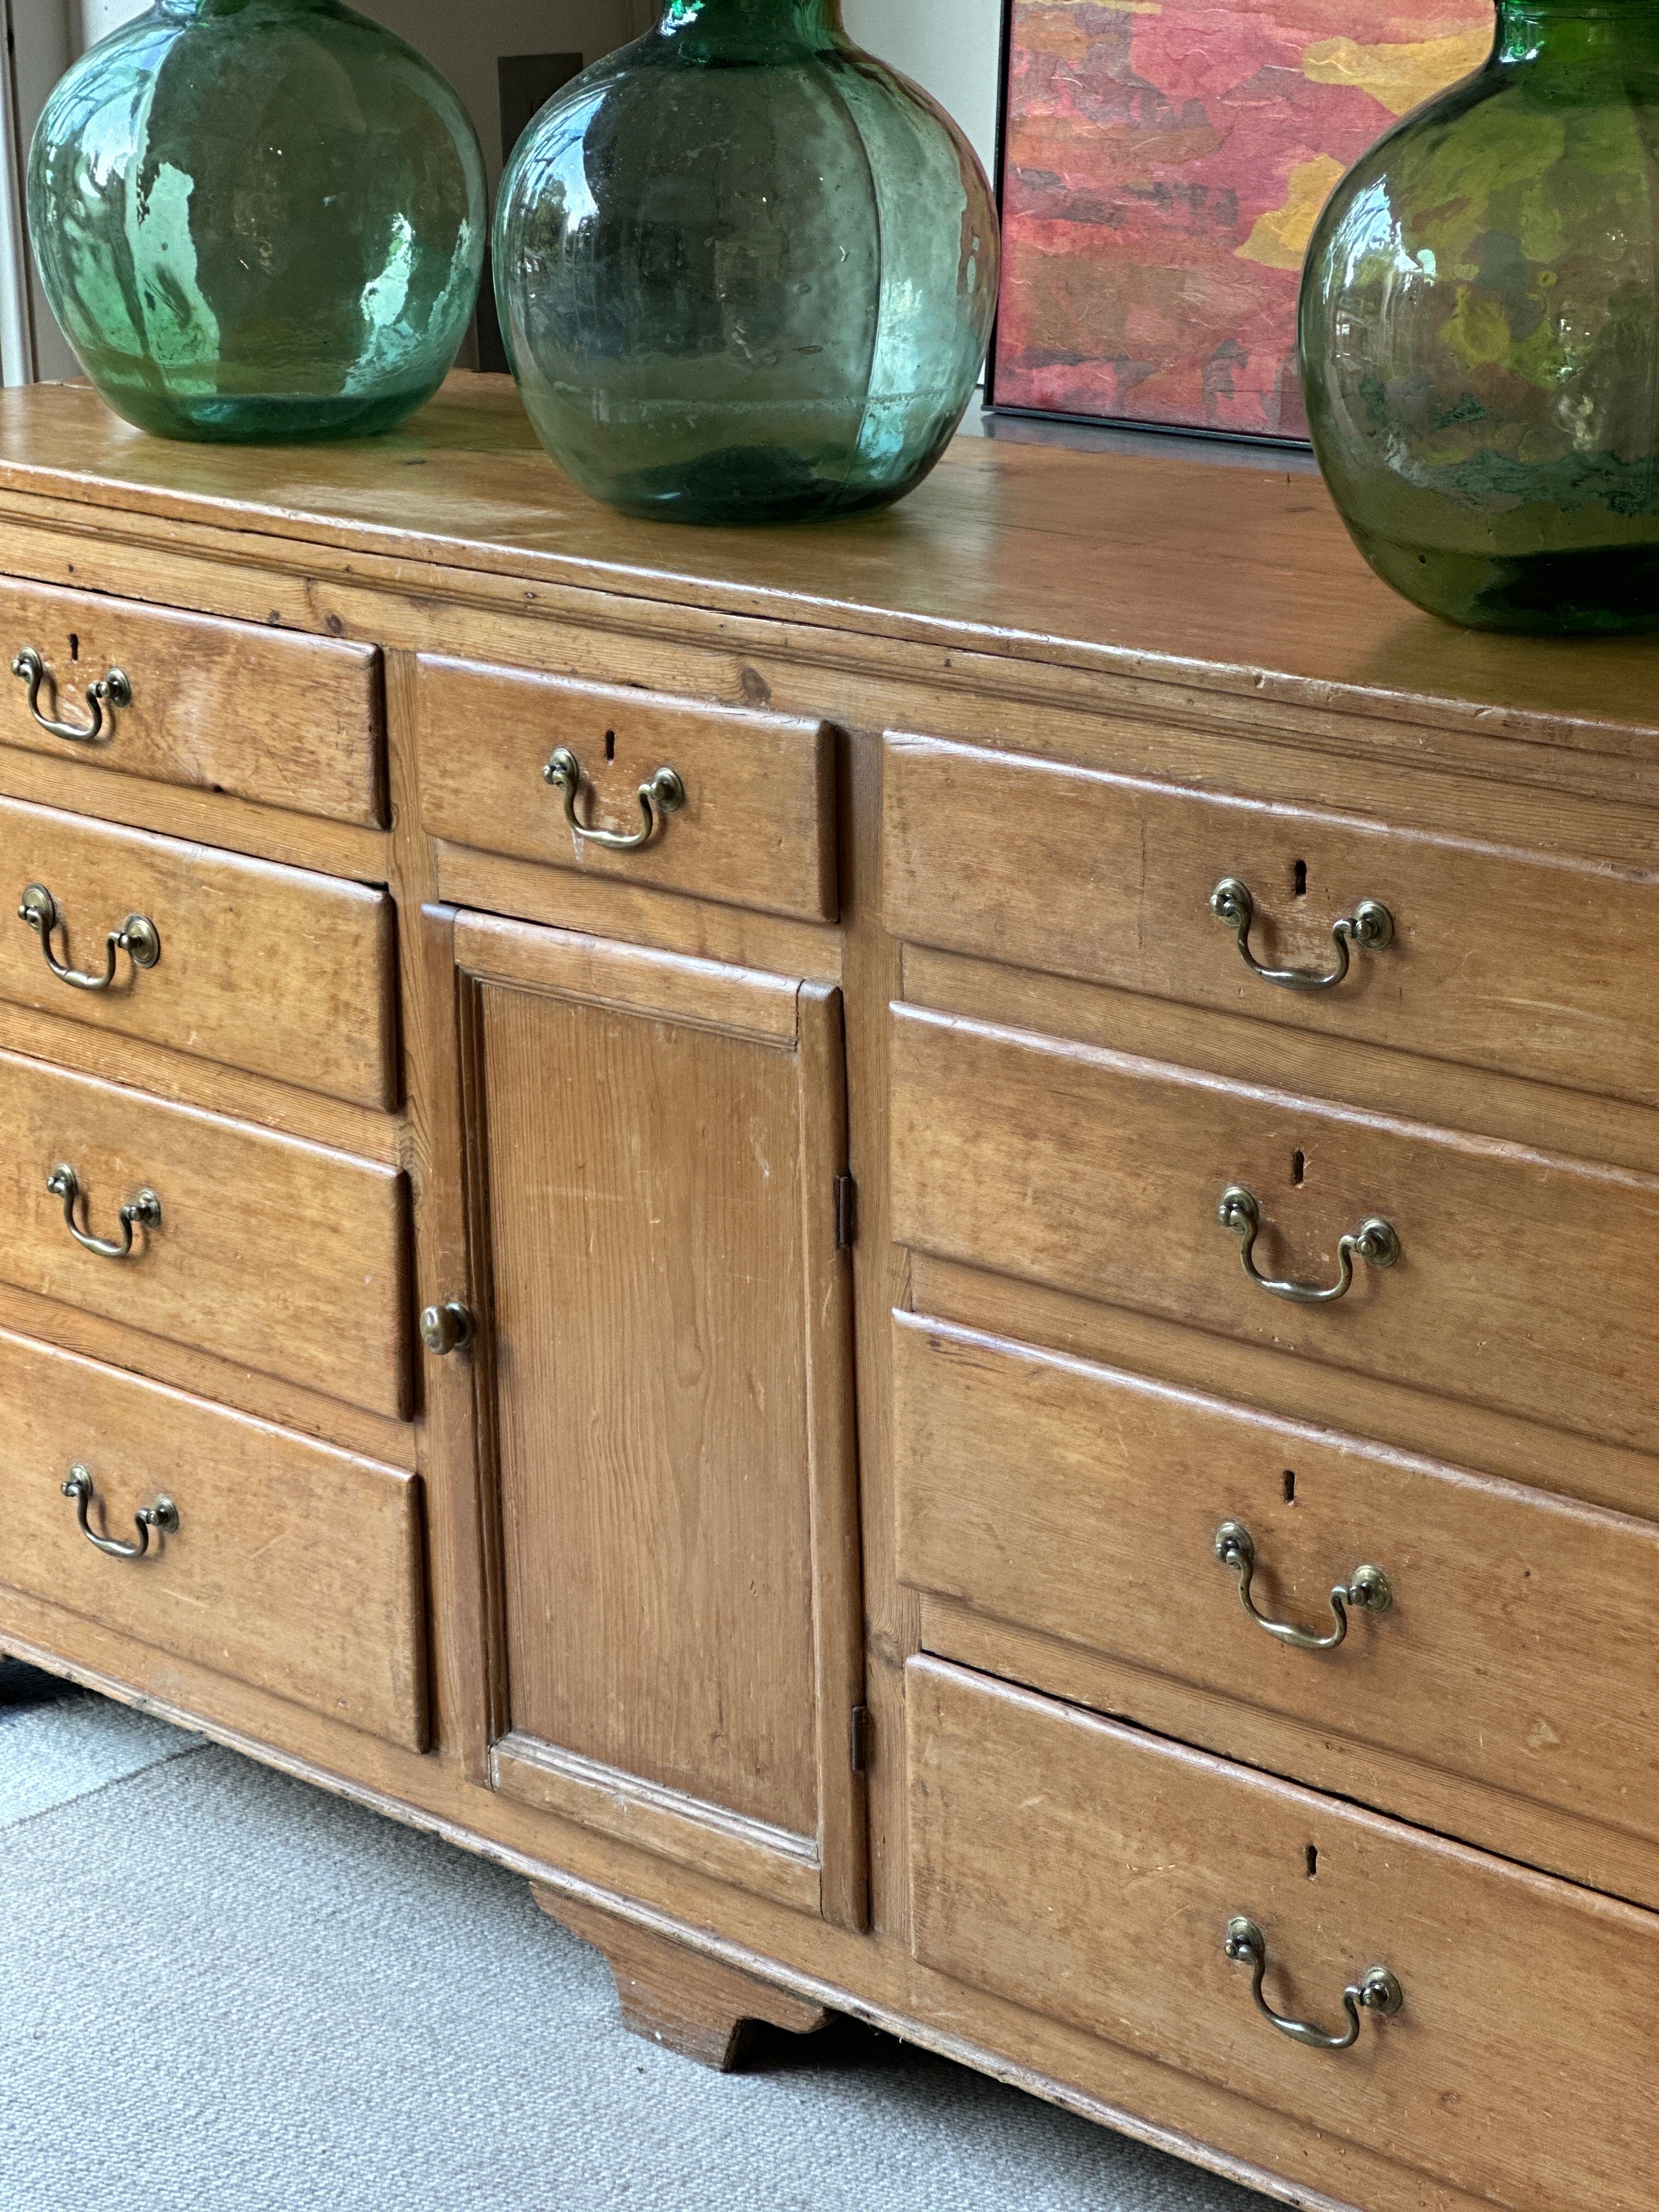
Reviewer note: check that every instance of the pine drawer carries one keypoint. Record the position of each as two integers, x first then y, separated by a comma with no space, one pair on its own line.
266,713
1092,1872
1495,958
274,970
754,825
269,1252
1524,1281
293,1567
1515,1647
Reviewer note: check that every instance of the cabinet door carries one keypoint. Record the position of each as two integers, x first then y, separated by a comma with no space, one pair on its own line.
657,1146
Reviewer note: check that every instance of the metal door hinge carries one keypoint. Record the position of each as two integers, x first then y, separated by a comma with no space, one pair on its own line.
861,1739
847,1212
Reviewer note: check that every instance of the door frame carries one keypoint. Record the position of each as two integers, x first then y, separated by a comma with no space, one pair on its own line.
465,953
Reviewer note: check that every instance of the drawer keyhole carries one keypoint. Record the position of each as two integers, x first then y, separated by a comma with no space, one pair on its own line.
1298,1169
1290,1486
1299,880
611,745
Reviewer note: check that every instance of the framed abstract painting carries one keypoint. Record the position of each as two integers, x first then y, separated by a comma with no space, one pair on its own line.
1164,162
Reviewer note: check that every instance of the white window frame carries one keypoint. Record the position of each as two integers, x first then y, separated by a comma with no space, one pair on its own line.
17,358
42,39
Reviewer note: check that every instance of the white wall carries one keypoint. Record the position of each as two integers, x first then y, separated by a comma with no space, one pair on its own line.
952,47
92,20
466,43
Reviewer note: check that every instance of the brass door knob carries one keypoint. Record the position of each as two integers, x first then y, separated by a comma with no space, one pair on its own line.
447,1328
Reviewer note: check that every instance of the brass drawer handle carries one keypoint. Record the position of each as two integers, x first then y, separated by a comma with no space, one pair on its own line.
162,1516
138,938
1369,926
665,794
1370,1589
1377,1991
143,1211
30,669
1376,1241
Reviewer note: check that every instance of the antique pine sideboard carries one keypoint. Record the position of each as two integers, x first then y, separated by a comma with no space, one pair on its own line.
710,1210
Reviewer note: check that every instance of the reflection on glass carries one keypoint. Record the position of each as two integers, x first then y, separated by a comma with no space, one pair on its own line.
258,219
745,272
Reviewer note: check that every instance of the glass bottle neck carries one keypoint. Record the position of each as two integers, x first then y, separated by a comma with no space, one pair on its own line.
752,30
1577,31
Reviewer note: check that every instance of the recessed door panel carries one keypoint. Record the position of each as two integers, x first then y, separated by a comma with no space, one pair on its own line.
658,1143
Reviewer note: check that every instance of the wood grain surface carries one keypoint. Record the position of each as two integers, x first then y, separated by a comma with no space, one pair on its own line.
278,970
296,1568
1091,1871
678,1998
1085,1502
660,1139
269,1251
220,706
1525,1282
1003,550
758,828
1499,959
645,1226
1054,1160
670,1822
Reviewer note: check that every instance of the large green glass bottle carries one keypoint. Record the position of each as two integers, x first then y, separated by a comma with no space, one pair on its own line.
746,272
258,219
1480,331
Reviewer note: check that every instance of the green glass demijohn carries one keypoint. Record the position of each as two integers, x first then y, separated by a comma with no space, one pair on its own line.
746,272
1480,331
259,220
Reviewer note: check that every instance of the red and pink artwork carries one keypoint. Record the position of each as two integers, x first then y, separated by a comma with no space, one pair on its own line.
1164,163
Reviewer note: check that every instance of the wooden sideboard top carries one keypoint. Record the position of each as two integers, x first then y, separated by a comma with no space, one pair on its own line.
1237,579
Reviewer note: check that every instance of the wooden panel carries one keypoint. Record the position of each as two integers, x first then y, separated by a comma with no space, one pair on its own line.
1492,1819
1495,1443
1525,1283
1542,1116
1088,1871
670,1316
758,825
566,900
277,970
294,1568
593,969
678,1998
658,1569
667,1821
269,1251
1499,959
223,706
111,1342
1082,1502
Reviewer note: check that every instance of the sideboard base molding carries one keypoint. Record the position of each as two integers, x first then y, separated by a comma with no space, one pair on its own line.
680,1997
